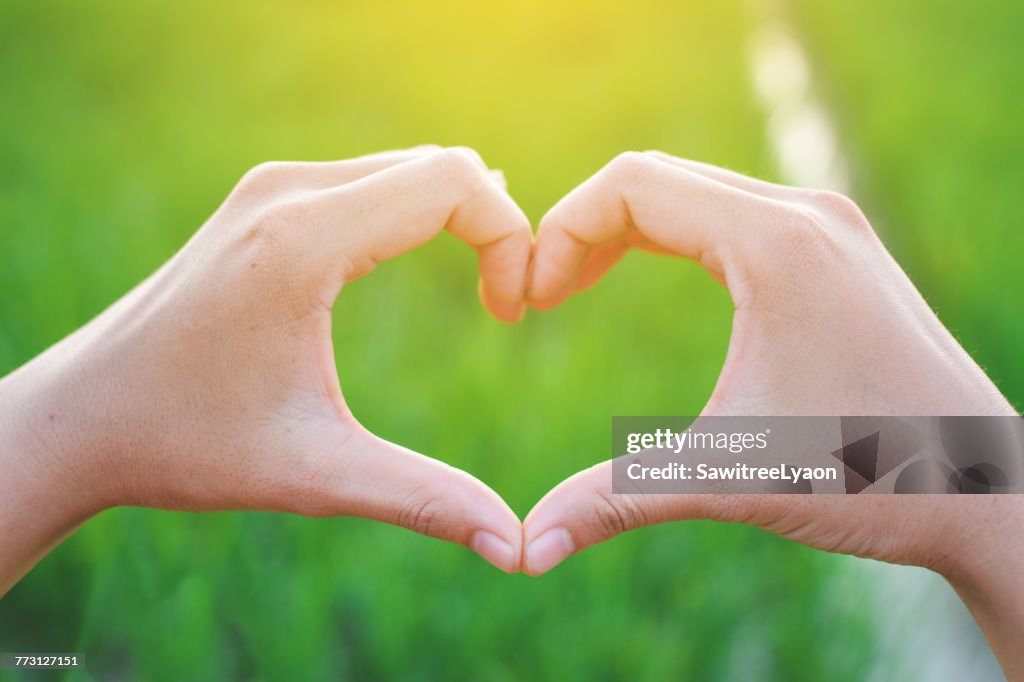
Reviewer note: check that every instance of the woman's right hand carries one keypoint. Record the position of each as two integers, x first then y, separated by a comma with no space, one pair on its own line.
825,323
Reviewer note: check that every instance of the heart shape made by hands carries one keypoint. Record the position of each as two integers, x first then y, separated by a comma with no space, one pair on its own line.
804,270
820,327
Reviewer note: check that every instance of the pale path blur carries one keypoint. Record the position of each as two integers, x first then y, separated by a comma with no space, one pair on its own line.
925,632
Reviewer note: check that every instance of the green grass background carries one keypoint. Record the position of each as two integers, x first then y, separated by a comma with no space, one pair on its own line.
124,124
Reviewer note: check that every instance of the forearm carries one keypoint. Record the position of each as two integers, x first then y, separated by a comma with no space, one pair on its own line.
46,490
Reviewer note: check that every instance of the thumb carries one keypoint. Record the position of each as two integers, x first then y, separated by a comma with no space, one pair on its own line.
583,511
372,478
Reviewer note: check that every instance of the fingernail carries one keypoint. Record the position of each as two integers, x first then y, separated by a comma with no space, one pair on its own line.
548,550
507,312
543,304
495,550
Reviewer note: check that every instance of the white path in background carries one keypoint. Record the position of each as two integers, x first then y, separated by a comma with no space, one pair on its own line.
924,631
800,130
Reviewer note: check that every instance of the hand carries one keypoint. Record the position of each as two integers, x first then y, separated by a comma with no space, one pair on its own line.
826,323
212,385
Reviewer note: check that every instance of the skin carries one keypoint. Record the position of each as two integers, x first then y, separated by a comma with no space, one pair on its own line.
825,323
212,385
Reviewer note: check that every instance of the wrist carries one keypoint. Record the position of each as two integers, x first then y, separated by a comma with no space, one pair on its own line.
52,449
40,500
987,571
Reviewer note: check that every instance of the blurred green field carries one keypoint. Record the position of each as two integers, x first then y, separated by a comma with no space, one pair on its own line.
122,126
929,102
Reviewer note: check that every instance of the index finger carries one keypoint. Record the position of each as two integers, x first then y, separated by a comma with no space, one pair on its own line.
397,209
676,209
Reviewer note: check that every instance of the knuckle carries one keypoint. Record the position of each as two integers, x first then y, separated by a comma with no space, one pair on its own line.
262,233
616,514
422,515
271,241
279,218
832,202
795,236
796,228
265,174
767,514
470,154
631,166
457,166
839,208
656,155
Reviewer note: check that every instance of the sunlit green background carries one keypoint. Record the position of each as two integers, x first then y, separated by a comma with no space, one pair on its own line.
122,126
